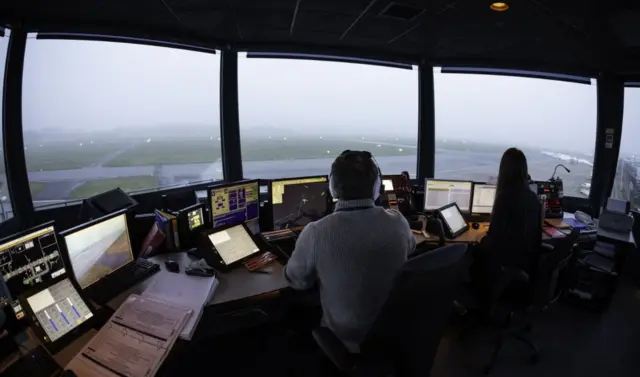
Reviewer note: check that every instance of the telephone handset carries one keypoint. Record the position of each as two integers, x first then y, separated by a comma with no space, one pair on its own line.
584,218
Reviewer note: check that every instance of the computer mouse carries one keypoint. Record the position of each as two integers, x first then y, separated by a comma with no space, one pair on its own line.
475,225
172,266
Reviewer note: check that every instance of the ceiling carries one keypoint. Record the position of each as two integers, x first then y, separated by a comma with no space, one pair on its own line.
574,36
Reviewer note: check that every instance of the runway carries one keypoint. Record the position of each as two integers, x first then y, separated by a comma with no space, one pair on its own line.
480,166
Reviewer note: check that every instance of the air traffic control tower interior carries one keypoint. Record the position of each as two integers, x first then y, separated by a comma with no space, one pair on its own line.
151,144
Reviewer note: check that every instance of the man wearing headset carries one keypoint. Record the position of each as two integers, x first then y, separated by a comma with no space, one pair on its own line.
352,255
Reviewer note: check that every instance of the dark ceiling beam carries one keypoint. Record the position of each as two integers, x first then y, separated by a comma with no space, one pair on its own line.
174,14
372,3
187,37
295,16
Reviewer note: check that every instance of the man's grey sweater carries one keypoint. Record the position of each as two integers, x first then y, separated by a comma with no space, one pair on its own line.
353,256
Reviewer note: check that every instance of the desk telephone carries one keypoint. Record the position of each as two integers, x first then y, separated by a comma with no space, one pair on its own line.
398,193
584,218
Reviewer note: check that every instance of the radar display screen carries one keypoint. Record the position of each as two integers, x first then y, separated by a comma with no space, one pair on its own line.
28,260
234,204
298,201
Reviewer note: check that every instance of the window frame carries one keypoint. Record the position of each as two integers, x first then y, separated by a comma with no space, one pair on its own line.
127,39
575,201
406,64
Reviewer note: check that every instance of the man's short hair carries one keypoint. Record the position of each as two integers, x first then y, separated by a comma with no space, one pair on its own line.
353,175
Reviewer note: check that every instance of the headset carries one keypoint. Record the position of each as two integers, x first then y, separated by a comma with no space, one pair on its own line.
378,183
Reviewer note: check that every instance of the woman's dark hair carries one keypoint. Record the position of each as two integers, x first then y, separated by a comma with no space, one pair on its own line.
353,175
513,174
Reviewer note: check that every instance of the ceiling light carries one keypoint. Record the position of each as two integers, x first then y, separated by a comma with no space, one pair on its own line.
499,6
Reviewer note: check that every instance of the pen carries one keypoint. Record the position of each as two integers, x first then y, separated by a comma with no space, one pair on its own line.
260,272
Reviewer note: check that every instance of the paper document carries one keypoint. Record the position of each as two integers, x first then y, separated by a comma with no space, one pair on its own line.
191,292
134,342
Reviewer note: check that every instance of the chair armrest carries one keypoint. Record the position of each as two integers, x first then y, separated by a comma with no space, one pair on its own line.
333,348
515,273
545,247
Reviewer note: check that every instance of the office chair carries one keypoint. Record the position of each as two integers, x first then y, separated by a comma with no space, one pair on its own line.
434,228
516,293
404,338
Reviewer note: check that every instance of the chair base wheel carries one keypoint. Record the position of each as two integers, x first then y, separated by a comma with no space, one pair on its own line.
488,369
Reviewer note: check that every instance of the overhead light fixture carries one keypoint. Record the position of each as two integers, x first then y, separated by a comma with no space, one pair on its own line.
499,6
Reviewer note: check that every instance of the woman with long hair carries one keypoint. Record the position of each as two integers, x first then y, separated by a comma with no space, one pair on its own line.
515,232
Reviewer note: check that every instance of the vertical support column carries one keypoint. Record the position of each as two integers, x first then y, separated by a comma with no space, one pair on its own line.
608,136
13,142
426,123
229,116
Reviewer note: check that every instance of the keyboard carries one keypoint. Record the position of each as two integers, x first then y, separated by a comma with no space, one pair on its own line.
127,276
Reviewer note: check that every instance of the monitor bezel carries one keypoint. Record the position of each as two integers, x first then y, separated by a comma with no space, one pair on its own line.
65,250
473,194
23,233
55,346
230,184
328,201
424,201
211,255
448,230
183,214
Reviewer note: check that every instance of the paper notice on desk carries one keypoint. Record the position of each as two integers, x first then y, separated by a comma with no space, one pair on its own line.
151,315
134,342
192,292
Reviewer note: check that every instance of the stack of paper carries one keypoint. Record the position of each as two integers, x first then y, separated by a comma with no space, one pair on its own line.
192,292
134,342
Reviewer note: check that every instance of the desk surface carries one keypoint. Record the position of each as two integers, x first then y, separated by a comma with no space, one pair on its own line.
240,283
470,236
237,284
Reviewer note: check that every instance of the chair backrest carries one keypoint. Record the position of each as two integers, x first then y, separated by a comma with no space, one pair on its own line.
434,227
549,267
408,329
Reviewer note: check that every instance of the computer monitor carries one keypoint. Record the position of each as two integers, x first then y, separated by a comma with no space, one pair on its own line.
233,244
194,216
438,193
453,221
98,248
234,203
388,185
59,310
298,201
28,259
483,197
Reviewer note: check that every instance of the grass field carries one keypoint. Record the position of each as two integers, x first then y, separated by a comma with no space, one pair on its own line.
168,152
125,183
296,149
62,156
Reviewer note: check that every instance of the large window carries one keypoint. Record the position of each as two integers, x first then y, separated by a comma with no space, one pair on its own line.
627,182
99,115
479,116
5,199
296,116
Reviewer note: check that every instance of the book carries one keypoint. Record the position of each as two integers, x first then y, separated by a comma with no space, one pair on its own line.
135,341
168,225
553,232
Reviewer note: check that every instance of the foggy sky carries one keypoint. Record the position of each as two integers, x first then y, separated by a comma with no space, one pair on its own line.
102,86
630,143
